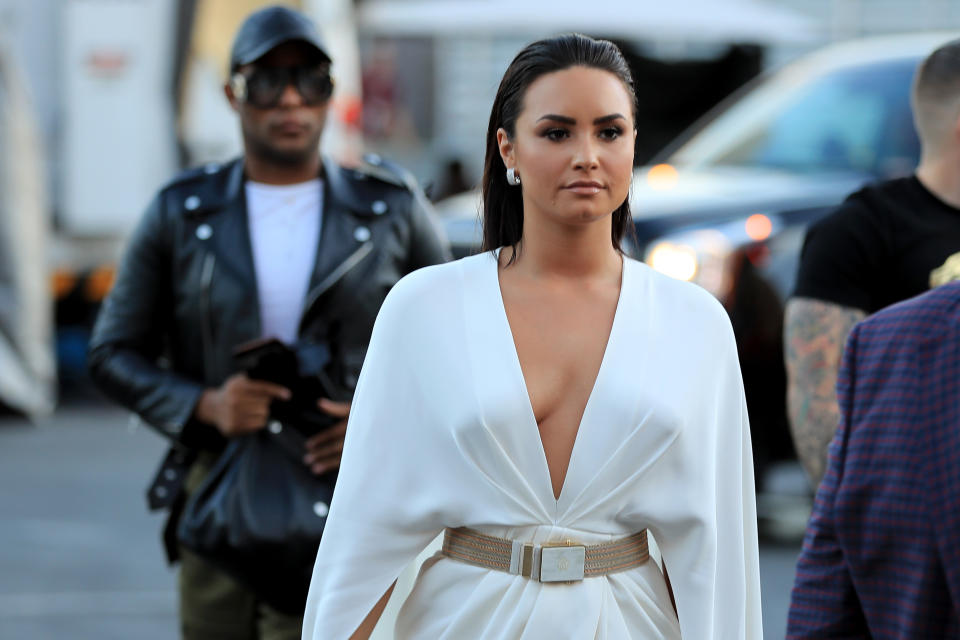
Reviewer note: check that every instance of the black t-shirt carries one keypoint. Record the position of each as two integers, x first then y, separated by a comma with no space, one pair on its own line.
882,245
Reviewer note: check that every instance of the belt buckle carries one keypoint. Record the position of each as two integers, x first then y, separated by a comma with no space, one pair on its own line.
562,561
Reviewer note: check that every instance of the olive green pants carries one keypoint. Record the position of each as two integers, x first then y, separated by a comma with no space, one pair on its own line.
213,606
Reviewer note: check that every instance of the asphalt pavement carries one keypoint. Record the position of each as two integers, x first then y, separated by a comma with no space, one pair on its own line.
81,558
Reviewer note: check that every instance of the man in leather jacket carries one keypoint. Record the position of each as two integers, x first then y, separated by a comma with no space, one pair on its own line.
280,242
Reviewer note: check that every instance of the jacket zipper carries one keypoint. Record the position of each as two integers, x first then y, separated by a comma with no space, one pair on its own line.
334,276
206,281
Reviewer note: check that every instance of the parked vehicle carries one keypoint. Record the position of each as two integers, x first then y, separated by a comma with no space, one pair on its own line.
726,206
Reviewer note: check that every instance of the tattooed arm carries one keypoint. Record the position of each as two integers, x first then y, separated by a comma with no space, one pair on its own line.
814,336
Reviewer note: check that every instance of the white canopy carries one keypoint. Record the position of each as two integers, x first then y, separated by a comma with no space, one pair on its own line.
697,20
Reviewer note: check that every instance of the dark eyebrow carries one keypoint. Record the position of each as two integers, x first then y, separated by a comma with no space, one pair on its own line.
572,121
609,118
563,119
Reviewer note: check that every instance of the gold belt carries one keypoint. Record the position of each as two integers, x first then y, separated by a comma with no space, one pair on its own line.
564,561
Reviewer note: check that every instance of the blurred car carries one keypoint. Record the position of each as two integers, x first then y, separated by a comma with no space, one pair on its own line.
727,204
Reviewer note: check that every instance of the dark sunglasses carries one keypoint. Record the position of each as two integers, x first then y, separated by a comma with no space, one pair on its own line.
262,87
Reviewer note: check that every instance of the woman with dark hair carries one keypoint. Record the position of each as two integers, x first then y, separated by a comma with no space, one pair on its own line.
549,405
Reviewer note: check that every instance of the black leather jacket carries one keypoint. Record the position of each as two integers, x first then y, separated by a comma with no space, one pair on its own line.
186,294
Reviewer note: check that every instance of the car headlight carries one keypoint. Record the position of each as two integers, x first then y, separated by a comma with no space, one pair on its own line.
676,260
703,256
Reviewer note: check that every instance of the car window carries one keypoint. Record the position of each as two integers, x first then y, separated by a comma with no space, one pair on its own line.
855,119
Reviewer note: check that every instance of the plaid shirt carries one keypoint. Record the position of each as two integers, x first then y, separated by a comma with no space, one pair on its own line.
881,556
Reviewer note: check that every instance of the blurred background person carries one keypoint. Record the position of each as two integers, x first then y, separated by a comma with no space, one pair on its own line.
887,242
881,558
278,243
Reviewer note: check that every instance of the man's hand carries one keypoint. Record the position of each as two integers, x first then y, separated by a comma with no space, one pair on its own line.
240,406
325,448
814,336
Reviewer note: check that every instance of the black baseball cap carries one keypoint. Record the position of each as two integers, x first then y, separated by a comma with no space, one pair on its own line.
268,28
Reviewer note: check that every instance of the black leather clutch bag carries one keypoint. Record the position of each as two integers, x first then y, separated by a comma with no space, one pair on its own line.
304,369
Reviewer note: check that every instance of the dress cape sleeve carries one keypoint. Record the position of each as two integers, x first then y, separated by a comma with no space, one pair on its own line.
703,503
382,514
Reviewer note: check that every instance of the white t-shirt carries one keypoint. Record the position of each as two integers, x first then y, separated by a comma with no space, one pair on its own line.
284,233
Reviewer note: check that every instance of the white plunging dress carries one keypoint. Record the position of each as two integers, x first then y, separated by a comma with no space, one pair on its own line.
442,434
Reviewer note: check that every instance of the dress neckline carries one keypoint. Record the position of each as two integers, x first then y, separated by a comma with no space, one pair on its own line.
531,419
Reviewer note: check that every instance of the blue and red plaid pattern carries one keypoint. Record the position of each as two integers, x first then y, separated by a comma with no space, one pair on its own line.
881,555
